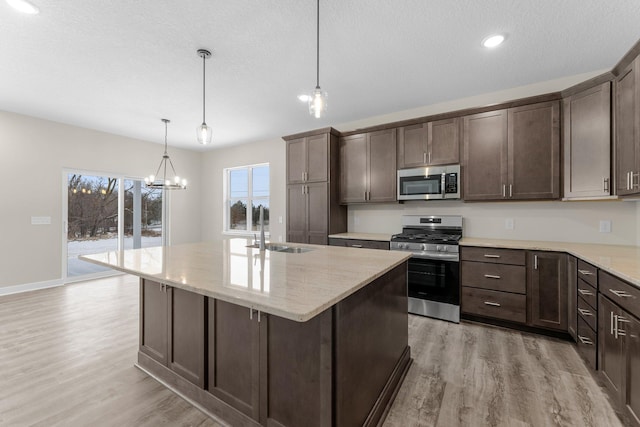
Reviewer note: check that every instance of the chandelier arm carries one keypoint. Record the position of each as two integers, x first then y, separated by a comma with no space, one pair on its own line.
172,168
159,167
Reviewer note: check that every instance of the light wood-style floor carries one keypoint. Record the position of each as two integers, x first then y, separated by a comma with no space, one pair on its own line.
67,355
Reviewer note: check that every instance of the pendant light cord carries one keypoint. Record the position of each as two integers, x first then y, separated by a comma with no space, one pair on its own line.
204,61
318,47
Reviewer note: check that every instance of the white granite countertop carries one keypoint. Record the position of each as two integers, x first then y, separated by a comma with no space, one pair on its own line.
382,237
295,286
621,261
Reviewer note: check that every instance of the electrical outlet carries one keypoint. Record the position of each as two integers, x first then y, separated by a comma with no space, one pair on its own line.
605,226
509,224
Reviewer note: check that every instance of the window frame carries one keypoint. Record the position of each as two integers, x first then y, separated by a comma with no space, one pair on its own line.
228,200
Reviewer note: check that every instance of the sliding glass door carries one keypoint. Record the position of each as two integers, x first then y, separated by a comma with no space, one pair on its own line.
107,213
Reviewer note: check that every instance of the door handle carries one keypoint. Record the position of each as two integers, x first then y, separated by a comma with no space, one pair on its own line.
606,185
620,294
491,276
504,190
491,256
585,312
585,292
585,340
585,272
628,180
535,262
493,304
510,190
356,246
424,157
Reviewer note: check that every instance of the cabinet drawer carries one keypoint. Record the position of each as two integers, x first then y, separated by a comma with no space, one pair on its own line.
500,305
497,277
588,314
625,295
354,243
497,256
587,343
588,273
588,293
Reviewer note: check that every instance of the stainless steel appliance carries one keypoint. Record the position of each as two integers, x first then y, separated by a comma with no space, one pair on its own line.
440,182
433,276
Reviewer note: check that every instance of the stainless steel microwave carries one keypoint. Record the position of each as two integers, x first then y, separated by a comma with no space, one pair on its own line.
432,183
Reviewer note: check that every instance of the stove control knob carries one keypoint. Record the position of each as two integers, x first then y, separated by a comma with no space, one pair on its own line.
424,246
441,248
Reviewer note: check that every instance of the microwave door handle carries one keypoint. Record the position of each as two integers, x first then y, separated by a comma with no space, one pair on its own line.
443,180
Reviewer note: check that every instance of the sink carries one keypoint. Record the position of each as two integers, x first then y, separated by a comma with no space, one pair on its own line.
281,248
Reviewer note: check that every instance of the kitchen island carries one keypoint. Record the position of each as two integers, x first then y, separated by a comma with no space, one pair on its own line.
317,336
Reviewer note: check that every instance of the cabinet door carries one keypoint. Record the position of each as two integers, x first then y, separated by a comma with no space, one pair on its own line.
444,142
318,213
587,143
412,146
611,358
296,160
632,342
547,290
297,213
353,168
317,158
381,166
186,334
485,155
534,151
572,307
627,127
234,356
154,325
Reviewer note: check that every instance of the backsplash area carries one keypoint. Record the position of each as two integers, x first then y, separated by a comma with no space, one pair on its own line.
552,221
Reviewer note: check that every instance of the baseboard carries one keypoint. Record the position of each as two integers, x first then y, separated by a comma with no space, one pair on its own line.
28,287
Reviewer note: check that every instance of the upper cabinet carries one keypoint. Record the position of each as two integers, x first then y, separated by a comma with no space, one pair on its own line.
368,167
512,154
587,143
627,114
308,159
429,144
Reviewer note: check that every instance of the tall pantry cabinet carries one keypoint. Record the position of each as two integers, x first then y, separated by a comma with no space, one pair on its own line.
313,211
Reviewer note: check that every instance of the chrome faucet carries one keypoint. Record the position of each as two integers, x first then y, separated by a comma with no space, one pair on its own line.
262,248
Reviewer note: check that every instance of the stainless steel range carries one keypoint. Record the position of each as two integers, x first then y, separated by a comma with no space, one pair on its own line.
433,276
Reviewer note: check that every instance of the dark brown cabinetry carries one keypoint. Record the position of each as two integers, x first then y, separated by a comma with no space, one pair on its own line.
493,283
586,289
172,325
547,290
368,167
619,343
429,144
358,243
572,295
627,114
313,211
587,143
512,154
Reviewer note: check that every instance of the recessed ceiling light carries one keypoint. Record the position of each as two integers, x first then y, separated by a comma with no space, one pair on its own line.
23,6
303,98
493,41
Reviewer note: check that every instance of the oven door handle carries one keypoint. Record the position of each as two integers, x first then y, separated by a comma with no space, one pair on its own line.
437,257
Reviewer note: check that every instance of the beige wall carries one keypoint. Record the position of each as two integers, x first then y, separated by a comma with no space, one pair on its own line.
33,154
213,164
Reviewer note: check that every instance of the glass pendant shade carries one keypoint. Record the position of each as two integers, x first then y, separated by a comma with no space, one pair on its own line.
318,103
204,134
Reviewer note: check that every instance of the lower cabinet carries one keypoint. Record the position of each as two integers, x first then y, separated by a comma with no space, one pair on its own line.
172,329
357,243
619,343
547,291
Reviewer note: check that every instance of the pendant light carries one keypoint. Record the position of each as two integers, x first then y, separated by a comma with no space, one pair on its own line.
165,182
203,131
318,98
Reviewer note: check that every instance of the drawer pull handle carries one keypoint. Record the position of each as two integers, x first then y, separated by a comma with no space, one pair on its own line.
585,292
356,246
585,272
621,294
493,304
585,312
491,256
491,276
585,340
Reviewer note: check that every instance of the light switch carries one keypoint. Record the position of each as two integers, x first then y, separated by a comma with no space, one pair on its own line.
509,224
605,226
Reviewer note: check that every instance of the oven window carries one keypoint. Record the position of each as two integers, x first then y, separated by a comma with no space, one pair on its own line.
420,185
434,280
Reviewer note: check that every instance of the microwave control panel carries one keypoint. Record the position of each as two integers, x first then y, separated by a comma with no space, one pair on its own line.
451,183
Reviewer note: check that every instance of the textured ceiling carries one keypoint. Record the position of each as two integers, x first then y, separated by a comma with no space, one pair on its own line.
119,66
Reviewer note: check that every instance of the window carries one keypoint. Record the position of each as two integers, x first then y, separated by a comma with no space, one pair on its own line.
246,189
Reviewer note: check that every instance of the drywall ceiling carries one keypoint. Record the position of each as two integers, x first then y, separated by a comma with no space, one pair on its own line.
119,66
